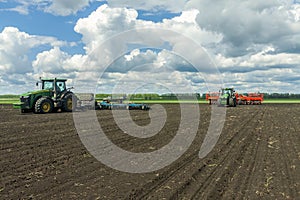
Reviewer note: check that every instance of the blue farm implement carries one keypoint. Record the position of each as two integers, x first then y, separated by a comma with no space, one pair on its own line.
107,105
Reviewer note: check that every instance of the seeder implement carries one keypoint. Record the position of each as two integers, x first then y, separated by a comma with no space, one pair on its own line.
251,99
107,105
228,97
212,97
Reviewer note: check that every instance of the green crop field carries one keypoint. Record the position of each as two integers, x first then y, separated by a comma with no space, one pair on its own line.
203,101
9,100
167,101
281,101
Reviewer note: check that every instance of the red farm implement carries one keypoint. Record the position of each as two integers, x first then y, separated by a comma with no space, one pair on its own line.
241,99
251,99
212,97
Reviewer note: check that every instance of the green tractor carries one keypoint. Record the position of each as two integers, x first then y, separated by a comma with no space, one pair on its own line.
53,96
227,97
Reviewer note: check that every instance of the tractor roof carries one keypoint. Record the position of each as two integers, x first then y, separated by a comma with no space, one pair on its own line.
51,79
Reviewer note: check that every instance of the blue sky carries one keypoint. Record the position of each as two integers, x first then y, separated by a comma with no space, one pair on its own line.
37,22
254,45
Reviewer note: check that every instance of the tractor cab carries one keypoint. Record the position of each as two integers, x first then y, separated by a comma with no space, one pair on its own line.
49,84
56,86
227,97
227,92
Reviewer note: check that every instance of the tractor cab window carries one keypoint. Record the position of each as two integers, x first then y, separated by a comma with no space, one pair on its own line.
226,91
61,86
48,85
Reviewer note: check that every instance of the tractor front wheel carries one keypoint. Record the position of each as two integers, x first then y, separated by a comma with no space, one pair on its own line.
43,105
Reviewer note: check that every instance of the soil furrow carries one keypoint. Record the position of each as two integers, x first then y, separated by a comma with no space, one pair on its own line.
257,157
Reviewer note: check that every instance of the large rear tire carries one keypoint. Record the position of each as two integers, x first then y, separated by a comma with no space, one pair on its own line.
43,105
69,103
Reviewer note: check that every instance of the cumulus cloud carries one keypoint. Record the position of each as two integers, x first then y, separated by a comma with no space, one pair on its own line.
16,83
106,22
254,44
51,61
55,7
56,61
15,47
259,60
103,24
154,5
123,23
247,24
66,7
268,81
237,52
17,73
150,61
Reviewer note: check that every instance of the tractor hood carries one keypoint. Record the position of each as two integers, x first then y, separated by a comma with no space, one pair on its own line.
34,92
224,96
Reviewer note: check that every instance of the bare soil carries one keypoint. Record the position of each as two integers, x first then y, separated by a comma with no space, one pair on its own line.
256,157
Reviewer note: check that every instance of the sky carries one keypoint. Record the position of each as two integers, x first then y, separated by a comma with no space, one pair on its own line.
126,46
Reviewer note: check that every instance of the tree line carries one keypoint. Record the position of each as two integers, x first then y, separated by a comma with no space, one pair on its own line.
187,96
173,96
281,96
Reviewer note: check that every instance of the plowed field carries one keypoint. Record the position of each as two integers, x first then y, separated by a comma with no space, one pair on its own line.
256,157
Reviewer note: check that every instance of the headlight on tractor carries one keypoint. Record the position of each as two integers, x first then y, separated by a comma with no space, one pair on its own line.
25,100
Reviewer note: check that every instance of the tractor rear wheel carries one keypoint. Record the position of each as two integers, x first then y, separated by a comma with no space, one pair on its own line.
43,105
234,102
69,103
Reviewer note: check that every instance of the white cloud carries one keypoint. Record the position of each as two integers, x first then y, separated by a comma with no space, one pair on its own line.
55,7
66,7
150,62
51,61
16,83
247,24
255,44
132,54
56,61
17,73
103,24
259,60
15,47
107,22
153,5
268,81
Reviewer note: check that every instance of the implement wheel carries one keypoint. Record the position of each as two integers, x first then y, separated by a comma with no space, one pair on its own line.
43,105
